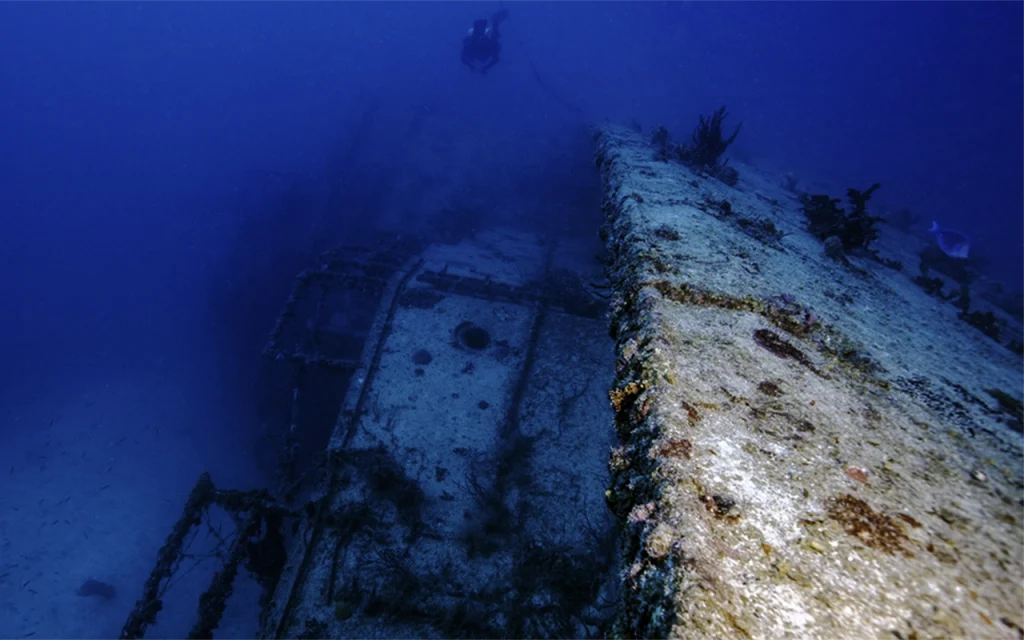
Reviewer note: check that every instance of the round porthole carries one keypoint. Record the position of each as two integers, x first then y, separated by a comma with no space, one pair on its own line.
472,337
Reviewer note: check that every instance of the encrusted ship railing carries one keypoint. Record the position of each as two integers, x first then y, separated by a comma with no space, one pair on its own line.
258,541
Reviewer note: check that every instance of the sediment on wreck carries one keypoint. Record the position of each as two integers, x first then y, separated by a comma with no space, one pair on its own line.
806,447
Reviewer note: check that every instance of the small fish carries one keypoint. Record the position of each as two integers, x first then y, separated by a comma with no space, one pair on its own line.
96,588
953,243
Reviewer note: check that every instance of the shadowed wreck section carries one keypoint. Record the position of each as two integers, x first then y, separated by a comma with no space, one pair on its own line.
806,447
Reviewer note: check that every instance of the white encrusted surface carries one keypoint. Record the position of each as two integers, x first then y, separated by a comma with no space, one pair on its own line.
867,487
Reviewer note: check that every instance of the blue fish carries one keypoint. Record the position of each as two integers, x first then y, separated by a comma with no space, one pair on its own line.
953,243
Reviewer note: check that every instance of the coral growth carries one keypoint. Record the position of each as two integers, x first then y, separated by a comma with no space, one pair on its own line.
1011,406
984,322
834,248
662,140
931,286
761,229
964,271
856,228
705,149
727,174
707,144
871,527
772,342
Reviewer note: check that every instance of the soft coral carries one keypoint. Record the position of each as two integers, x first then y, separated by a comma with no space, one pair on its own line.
856,229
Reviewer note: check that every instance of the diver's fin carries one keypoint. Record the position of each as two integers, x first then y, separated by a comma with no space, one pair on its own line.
499,16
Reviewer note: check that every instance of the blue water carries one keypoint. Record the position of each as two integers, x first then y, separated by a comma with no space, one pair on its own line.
163,167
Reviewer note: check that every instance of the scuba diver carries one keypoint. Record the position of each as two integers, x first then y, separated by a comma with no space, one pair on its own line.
481,49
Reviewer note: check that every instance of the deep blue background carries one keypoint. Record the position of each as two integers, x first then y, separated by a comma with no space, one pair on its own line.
126,127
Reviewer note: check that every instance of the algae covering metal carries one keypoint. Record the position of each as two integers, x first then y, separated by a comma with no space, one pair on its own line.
462,494
808,449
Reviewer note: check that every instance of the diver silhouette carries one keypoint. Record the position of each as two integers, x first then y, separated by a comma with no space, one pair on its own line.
481,49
